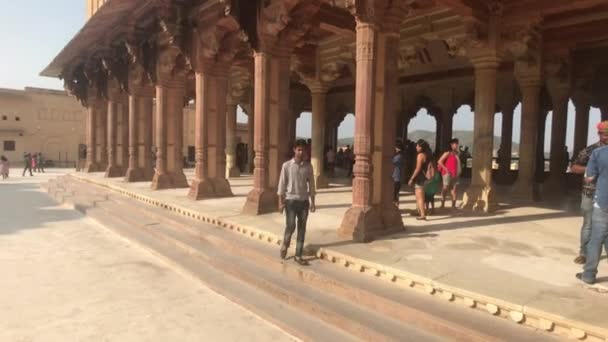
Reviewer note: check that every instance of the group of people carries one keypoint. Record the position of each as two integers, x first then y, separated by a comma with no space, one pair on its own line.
592,163
33,162
429,176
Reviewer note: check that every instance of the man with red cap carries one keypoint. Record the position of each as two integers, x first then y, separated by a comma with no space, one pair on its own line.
597,172
578,166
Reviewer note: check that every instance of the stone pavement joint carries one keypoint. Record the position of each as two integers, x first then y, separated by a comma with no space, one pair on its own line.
517,313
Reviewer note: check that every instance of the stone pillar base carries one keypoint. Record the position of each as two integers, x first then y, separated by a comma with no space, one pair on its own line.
361,224
321,182
478,198
221,187
160,182
113,172
391,219
90,168
525,193
179,180
261,202
201,189
134,175
234,172
148,174
555,186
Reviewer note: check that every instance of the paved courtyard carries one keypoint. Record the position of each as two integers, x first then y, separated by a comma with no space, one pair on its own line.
65,278
521,255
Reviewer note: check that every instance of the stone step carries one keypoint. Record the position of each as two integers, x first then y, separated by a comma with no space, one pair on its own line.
288,318
381,297
343,314
229,252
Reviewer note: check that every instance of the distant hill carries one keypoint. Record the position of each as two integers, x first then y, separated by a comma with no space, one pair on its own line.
465,137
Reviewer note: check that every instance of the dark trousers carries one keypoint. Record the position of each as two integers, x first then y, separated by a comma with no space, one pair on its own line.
27,167
296,212
396,190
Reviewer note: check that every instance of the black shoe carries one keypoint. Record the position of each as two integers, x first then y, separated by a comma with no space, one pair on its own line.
579,276
283,252
301,261
580,260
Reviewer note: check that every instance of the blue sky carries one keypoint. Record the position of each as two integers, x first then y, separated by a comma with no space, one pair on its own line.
32,32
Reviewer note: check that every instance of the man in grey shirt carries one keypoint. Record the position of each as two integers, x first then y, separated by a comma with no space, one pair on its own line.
296,196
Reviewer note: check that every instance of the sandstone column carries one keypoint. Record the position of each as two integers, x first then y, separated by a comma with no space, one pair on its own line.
262,199
147,114
92,118
506,143
386,100
202,187
113,170
439,146
161,179
217,134
232,169
525,184
250,141
140,135
480,195
103,136
559,93
581,125
176,127
124,133
447,123
318,93
280,74
362,220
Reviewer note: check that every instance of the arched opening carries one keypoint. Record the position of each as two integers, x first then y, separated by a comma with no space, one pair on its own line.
345,149
423,126
570,122
463,130
595,116
304,126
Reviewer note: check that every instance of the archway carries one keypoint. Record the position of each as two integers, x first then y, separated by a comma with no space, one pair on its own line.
423,126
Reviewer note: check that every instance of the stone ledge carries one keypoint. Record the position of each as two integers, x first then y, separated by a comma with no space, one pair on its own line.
518,313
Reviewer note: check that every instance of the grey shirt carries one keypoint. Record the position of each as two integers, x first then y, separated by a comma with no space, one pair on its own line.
296,181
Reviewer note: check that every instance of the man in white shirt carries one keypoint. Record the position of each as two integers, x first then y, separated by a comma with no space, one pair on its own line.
296,196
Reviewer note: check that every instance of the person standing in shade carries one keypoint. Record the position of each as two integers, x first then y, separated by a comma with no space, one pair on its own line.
397,166
597,171
579,164
450,168
296,192
27,163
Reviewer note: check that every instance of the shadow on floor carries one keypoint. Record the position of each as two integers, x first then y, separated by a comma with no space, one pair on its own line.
24,206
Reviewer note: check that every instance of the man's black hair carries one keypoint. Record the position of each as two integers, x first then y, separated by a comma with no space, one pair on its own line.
300,143
454,141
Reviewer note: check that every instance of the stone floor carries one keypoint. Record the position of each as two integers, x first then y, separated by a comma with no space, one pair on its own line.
65,278
520,254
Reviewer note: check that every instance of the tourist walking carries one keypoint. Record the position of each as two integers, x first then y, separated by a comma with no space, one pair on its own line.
27,163
397,171
430,190
4,167
34,164
450,167
579,164
296,192
40,162
597,171
423,172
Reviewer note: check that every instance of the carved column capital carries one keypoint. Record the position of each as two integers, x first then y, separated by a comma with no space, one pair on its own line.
486,58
